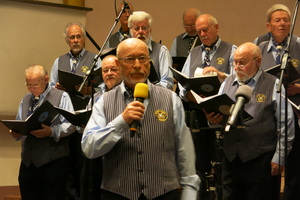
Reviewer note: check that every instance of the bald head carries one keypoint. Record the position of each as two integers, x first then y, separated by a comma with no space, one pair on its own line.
247,60
133,60
249,48
189,18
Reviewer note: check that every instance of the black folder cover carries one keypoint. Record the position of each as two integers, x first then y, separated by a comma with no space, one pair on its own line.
44,114
219,104
77,118
205,85
293,75
69,80
178,62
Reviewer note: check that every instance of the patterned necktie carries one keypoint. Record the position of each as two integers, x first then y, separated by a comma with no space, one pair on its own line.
74,61
206,58
32,107
191,44
278,55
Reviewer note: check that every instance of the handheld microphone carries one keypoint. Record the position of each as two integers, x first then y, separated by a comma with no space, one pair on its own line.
243,96
140,93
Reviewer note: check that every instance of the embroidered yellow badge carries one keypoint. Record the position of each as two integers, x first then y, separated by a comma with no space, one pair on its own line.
261,98
161,115
220,61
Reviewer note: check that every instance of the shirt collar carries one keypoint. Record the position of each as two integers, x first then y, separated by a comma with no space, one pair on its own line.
80,54
253,80
216,46
128,94
44,94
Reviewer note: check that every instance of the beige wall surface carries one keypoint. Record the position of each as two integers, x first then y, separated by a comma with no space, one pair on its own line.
240,20
33,34
30,34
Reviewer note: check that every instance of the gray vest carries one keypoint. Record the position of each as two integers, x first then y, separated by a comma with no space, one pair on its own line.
221,59
269,60
86,60
265,37
40,151
182,45
114,40
154,55
146,164
260,135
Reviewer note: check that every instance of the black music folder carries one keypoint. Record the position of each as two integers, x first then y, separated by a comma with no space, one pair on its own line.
77,118
217,104
178,62
206,85
293,75
69,80
44,114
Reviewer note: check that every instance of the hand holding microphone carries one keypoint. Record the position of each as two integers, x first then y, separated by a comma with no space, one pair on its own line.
135,110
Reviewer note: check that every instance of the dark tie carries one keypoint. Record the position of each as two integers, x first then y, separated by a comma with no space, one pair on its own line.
74,61
191,44
206,58
278,55
32,107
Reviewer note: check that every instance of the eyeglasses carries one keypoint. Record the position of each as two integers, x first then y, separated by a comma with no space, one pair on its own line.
243,66
72,37
112,70
144,28
131,60
189,26
32,85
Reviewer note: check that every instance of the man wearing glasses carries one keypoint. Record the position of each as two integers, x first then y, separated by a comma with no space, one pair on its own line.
254,154
156,162
123,32
140,25
213,56
45,152
185,42
76,61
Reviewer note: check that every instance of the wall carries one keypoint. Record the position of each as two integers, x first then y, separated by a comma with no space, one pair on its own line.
240,21
31,34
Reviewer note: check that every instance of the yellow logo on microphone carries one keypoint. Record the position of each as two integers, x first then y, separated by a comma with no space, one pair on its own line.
161,115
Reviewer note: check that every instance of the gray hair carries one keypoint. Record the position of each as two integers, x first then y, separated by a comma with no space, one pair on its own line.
277,7
139,16
74,23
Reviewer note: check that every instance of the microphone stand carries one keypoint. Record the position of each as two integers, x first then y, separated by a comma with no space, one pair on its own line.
92,66
89,76
284,76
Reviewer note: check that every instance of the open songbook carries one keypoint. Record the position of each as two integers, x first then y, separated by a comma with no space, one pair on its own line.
217,104
293,75
206,85
44,114
77,118
69,80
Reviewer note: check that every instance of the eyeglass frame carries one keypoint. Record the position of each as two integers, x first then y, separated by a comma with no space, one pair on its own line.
111,70
34,85
243,66
78,36
131,60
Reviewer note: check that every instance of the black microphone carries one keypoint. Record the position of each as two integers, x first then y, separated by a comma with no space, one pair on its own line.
243,96
140,93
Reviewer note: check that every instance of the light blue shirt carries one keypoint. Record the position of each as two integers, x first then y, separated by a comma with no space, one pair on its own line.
60,130
165,61
54,70
100,137
279,115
